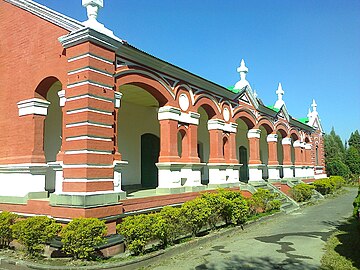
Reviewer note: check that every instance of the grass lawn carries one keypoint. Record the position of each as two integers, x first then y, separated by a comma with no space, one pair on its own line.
342,250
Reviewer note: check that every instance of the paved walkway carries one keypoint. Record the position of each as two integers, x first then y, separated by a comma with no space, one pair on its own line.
293,241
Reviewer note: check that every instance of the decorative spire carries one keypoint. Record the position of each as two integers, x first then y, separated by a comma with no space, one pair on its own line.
242,69
309,113
280,92
255,94
314,105
92,8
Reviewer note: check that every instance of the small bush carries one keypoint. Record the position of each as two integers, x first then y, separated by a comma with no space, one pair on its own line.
167,226
337,181
302,192
81,236
356,205
34,232
263,201
7,219
213,200
196,214
240,211
324,186
138,232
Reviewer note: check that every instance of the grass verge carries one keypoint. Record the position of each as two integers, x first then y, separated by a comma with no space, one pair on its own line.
342,250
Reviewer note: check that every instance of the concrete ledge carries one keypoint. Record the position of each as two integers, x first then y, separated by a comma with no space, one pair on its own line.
23,200
86,200
195,188
174,190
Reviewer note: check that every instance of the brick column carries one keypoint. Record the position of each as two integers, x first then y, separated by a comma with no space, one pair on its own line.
232,149
216,146
168,141
298,153
286,143
272,148
254,145
192,139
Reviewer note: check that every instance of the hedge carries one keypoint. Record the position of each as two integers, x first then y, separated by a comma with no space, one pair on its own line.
302,192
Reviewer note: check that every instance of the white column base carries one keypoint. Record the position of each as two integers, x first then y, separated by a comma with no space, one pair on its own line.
255,172
118,167
57,166
300,171
17,180
309,171
288,171
274,172
223,174
191,176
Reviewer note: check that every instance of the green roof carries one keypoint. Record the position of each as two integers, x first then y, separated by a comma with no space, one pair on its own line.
304,120
231,88
273,108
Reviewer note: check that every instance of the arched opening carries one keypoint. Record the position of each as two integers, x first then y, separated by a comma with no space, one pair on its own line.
203,144
225,149
264,151
280,150
242,144
138,137
180,143
317,155
52,126
294,138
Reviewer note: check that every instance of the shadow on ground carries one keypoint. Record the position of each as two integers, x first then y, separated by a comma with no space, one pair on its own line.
263,263
349,238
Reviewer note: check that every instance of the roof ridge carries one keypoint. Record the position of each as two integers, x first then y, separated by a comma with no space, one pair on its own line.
48,14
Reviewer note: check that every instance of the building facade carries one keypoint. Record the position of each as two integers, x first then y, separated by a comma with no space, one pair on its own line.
85,117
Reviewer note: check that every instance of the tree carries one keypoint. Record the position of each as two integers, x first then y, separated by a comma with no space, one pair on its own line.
354,140
352,160
334,147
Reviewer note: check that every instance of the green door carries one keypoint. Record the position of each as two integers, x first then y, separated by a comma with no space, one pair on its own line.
244,169
150,148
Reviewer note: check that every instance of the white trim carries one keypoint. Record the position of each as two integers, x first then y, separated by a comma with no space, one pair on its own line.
297,143
90,83
272,138
254,133
87,110
84,180
88,96
286,141
62,98
91,56
84,137
221,125
88,166
33,106
89,69
88,124
76,152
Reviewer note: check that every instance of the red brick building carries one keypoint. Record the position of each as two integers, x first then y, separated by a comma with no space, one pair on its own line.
86,117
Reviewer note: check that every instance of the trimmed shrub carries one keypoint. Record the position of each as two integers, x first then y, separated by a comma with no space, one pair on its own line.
356,205
302,192
196,214
81,236
137,231
34,232
167,226
337,181
240,211
263,201
213,200
324,186
7,219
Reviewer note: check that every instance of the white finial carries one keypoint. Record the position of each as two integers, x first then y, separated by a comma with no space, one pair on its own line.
309,114
242,69
255,94
280,92
92,8
314,105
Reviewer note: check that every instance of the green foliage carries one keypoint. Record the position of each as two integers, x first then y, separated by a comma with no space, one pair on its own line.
7,219
81,236
337,167
354,140
328,185
356,205
196,214
167,226
230,206
302,192
334,147
263,201
352,160
34,232
137,231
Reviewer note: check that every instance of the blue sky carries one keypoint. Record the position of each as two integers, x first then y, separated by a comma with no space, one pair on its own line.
312,46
